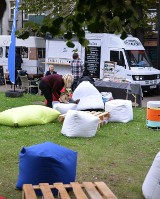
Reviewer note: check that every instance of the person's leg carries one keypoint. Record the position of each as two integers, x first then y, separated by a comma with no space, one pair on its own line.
47,92
74,85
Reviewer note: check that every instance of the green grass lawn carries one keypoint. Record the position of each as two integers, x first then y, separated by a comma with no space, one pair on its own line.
120,154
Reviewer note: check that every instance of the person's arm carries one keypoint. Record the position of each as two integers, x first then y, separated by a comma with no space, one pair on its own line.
56,94
82,66
47,73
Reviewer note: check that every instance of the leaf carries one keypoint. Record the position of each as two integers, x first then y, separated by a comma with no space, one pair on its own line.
81,33
23,35
57,21
88,16
123,35
134,25
84,42
80,17
68,36
70,44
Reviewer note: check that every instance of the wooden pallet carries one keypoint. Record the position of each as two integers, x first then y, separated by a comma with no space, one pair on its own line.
86,190
103,117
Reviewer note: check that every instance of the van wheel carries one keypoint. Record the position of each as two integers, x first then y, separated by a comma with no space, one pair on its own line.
13,94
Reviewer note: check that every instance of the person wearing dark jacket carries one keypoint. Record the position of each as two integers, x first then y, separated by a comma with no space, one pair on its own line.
50,71
85,77
53,84
18,61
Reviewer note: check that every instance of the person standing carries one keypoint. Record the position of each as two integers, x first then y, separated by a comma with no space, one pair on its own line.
50,71
18,61
53,84
76,69
86,77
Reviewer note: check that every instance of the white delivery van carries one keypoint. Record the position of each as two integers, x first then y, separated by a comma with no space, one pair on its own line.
132,62
32,51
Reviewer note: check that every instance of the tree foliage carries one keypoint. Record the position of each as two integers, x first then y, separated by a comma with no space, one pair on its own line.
70,18
2,8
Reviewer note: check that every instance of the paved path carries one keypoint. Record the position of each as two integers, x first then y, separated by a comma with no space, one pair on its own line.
4,88
149,97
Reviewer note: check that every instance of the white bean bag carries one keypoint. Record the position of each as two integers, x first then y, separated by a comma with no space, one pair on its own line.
63,108
28,115
91,102
119,110
151,184
79,124
84,89
90,97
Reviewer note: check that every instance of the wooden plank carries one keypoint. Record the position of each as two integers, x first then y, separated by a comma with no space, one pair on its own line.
96,190
61,117
62,191
102,116
47,193
91,190
96,113
105,191
78,191
28,192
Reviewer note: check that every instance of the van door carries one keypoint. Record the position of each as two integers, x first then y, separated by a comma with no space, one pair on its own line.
121,66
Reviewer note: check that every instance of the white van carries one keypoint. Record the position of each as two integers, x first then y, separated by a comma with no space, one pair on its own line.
32,51
132,62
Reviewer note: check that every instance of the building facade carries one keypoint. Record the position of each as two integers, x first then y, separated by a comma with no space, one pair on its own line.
7,20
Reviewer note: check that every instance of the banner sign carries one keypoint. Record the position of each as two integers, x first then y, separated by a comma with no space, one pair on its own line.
11,53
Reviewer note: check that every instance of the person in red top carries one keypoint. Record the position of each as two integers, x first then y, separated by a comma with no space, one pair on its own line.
53,84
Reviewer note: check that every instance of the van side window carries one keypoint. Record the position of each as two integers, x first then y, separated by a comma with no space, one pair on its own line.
1,52
41,53
122,62
24,52
114,56
117,56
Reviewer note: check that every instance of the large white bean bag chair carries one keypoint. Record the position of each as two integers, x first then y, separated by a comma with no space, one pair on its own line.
151,184
28,115
90,97
63,108
79,124
91,102
119,110
84,89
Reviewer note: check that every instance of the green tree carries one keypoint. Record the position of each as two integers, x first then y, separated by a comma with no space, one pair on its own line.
144,26
70,18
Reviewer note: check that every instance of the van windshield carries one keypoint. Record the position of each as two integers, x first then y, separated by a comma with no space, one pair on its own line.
138,58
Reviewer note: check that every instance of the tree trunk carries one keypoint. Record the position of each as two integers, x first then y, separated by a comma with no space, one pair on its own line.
139,32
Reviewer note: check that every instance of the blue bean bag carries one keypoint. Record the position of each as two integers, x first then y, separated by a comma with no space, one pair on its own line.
46,163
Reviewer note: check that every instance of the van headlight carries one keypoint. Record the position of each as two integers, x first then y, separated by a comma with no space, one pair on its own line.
140,78
158,76
136,77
